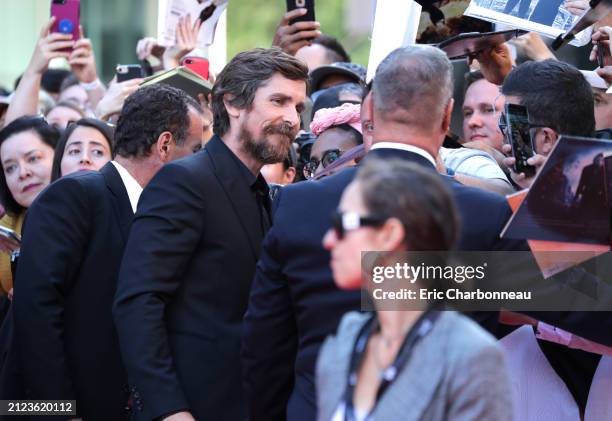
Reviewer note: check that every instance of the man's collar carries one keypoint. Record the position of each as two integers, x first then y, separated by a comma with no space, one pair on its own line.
404,147
134,190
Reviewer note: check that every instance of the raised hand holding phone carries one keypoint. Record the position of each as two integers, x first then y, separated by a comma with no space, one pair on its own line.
290,36
67,15
50,45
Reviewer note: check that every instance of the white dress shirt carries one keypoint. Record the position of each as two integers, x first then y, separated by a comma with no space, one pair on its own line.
404,147
134,190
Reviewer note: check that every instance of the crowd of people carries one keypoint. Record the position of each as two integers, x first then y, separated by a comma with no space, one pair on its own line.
172,258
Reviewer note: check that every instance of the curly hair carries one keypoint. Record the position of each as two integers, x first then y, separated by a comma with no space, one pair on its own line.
146,114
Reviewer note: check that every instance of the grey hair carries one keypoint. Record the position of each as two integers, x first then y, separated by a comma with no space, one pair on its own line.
413,85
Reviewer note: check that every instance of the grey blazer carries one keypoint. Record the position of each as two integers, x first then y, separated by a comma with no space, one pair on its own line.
457,372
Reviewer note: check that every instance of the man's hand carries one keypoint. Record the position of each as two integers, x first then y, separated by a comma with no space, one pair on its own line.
290,38
601,37
82,60
186,41
180,416
533,46
521,179
48,47
115,96
495,63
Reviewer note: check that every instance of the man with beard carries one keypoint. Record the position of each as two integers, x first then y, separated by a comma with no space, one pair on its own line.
196,237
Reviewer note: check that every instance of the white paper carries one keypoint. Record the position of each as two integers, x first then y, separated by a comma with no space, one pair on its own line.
395,25
169,12
494,11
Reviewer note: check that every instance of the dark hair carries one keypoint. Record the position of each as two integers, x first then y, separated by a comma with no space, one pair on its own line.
146,114
291,160
47,133
244,74
357,137
104,128
556,95
330,97
69,81
426,209
335,50
52,80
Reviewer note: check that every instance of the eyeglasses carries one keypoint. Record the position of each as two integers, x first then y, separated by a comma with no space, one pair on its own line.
503,128
350,221
328,157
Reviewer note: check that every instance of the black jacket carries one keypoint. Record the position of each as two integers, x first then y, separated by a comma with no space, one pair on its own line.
72,247
294,303
184,284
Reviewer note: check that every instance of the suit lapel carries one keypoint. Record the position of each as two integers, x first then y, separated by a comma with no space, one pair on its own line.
121,201
238,193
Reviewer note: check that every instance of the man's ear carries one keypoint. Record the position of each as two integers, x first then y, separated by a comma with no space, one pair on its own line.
548,139
232,111
165,146
289,175
448,113
367,112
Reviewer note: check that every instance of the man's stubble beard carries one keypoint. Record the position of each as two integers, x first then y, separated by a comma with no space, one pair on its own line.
265,150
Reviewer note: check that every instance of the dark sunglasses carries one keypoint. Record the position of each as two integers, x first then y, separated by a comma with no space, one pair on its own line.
328,157
342,222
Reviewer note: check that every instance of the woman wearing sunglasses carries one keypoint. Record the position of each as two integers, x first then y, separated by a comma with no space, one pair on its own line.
403,365
338,130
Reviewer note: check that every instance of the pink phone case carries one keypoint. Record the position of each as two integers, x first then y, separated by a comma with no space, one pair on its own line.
67,17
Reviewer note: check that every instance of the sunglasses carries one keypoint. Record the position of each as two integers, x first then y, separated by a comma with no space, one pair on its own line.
342,222
328,157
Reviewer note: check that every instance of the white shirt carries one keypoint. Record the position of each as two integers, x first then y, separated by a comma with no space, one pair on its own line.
404,147
472,162
134,190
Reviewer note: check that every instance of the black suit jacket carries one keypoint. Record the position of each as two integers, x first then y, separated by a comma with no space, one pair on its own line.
184,284
294,302
72,247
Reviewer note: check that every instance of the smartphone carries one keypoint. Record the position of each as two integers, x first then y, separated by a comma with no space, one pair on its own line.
302,4
517,131
128,71
600,54
67,18
199,65
10,234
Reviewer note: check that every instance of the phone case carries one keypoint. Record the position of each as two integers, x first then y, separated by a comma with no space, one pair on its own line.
128,71
67,17
299,4
199,65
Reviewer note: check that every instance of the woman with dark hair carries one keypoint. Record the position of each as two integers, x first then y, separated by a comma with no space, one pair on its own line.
338,130
85,145
415,363
26,155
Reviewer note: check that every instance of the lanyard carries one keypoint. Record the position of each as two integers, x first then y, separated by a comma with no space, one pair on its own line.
421,328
